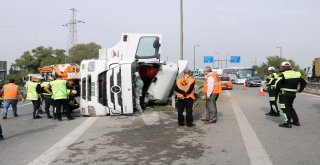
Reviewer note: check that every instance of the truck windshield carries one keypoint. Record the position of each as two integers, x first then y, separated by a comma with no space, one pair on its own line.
148,47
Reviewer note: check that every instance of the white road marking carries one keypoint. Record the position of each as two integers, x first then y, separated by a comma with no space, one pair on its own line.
310,95
53,152
24,104
256,153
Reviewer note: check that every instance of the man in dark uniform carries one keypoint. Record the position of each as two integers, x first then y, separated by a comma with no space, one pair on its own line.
1,136
287,85
185,88
273,96
47,98
59,96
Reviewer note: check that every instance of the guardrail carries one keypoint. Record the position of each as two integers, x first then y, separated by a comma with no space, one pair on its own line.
312,88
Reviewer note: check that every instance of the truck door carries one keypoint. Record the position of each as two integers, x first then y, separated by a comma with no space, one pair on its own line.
119,89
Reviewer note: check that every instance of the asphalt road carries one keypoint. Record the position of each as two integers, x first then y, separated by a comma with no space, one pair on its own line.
243,135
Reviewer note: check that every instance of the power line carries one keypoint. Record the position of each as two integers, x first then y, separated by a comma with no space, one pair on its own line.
72,24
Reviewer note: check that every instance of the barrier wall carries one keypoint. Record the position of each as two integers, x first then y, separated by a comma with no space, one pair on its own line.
313,88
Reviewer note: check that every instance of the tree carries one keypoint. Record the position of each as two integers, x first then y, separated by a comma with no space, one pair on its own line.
30,61
274,61
40,56
80,52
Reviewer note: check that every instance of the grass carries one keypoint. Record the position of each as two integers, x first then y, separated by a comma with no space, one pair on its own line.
163,108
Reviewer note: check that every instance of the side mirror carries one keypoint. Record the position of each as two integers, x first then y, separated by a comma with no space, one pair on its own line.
156,44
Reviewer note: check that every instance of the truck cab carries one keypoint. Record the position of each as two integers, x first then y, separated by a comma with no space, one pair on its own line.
107,83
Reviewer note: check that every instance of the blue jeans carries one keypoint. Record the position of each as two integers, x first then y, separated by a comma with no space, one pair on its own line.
6,104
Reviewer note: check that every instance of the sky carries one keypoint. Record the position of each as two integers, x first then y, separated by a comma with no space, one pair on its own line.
251,29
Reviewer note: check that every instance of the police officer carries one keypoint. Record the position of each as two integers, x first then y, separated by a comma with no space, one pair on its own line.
273,96
1,136
34,94
185,88
287,85
59,96
47,97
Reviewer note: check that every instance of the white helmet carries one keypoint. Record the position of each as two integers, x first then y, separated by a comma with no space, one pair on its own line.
271,68
50,78
285,63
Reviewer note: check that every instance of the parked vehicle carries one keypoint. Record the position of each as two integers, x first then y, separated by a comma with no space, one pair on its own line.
226,83
253,81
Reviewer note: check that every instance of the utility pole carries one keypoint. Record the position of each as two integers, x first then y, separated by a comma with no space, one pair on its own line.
72,24
181,29
279,47
194,57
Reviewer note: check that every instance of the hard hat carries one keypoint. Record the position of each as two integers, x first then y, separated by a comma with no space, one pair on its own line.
271,68
285,63
50,78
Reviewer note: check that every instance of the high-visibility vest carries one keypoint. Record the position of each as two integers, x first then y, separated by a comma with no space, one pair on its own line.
10,92
43,85
184,84
217,88
292,82
271,78
31,91
59,89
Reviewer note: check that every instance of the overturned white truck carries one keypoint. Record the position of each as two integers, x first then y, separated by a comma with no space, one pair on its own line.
107,86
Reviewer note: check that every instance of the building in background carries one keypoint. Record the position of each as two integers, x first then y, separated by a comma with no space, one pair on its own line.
3,70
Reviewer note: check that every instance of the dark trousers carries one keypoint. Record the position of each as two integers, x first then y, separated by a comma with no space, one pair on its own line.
286,104
65,104
36,107
47,103
1,131
185,104
273,97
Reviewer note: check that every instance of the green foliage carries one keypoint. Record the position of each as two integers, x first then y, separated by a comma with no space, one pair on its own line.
38,57
30,61
274,61
83,51
18,76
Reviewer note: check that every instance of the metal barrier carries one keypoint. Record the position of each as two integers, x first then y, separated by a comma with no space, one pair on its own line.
313,88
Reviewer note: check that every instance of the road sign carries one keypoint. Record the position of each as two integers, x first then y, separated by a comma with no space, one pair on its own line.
234,59
208,59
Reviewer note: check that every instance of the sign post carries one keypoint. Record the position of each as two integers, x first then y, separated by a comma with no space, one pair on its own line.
234,59
208,60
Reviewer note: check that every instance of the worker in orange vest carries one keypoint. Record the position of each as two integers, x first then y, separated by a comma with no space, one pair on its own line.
185,88
211,89
10,94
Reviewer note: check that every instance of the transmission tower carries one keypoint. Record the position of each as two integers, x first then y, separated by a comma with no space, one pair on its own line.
72,24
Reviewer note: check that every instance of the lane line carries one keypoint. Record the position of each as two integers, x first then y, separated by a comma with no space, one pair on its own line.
310,94
24,104
54,151
255,150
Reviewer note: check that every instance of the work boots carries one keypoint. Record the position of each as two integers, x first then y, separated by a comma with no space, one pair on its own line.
285,125
297,123
273,113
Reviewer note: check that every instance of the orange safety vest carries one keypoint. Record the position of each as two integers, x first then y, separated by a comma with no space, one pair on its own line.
184,84
10,92
217,88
